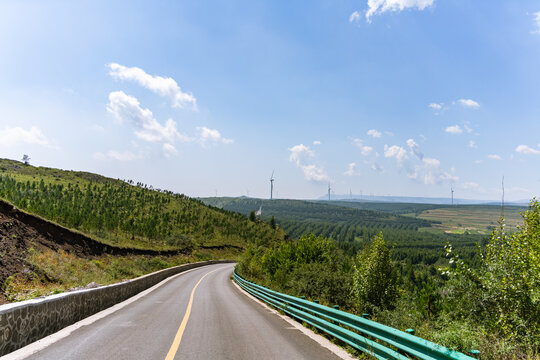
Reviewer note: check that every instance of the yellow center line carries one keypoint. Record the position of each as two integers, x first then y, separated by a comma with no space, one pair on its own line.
178,337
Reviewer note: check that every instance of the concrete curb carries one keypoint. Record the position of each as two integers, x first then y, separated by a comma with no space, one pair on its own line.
25,322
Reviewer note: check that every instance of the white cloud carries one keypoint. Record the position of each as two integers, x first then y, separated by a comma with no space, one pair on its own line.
366,150
300,153
376,167
374,133
316,142
12,136
397,152
314,173
524,149
169,150
126,109
415,149
118,155
418,168
351,170
536,23
436,106
494,157
207,136
478,161
382,6
355,17
472,144
467,128
454,129
166,87
468,103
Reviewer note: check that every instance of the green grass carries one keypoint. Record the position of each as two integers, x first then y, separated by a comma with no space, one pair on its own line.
474,219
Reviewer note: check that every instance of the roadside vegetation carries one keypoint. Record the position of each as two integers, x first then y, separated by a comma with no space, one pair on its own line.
488,300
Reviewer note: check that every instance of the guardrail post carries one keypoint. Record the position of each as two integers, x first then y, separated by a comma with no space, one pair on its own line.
365,316
410,331
336,322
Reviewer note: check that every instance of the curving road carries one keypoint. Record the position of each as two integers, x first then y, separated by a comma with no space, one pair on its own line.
220,322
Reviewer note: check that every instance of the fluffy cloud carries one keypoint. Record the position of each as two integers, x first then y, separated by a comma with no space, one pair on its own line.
355,17
351,170
169,150
301,155
468,103
365,150
12,136
126,109
166,87
314,173
454,129
374,133
524,149
382,6
396,152
494,157
316,142
536,23
472,144
418,168
415,149
211,136
436,106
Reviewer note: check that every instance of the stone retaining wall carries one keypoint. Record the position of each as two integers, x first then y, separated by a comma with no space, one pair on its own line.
28,321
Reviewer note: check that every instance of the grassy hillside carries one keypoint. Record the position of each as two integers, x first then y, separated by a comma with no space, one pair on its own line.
124,213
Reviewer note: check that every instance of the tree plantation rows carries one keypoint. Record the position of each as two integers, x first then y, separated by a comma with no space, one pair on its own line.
133,215
312,211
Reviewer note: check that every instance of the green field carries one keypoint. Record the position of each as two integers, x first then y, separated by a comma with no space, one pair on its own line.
473,219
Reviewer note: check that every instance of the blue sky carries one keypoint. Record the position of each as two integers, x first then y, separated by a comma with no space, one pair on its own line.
383,97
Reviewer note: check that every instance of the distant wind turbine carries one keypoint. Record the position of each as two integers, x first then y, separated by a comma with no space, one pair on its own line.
272,185
329,191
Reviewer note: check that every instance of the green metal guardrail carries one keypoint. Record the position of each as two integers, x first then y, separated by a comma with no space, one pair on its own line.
358,332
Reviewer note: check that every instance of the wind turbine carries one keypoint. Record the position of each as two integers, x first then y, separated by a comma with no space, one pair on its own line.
272,185
329,191
452,191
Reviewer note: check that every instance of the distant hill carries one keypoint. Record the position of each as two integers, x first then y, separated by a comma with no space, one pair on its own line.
290,213
417,200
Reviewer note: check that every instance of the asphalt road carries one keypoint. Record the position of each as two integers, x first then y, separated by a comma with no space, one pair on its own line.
222,323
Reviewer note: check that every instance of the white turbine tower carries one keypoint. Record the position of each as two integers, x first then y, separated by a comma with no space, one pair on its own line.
329,191
452,191
272,185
